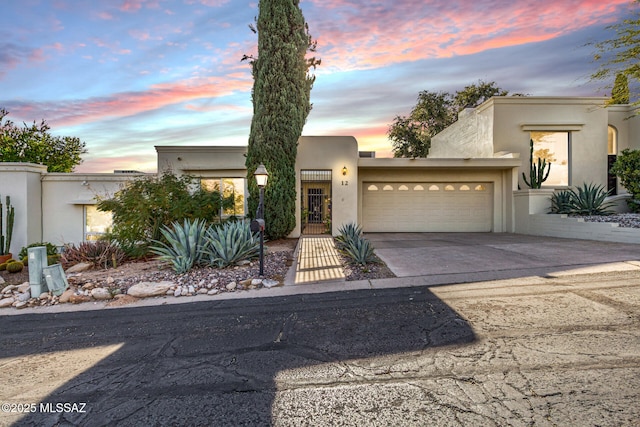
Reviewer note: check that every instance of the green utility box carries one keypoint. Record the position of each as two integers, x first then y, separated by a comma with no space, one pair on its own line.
37,259
56,279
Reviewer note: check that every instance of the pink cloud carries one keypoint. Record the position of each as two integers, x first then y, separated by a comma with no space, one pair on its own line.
71,113
357,35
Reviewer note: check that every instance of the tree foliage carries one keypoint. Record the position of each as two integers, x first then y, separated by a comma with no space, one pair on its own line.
146,204
34,144
434,111
281,104
627,168
620,55
620,92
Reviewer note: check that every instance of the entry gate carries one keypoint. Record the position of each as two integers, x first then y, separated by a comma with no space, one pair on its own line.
316,201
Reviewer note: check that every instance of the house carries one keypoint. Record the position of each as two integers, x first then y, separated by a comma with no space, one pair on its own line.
471,181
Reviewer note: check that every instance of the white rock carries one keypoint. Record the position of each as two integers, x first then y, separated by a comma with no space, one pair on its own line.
268,283
80,267
9,289
256,282
7,302
213,292
23,287
44,295
231,286
177,292
25,296
110,280
1,280
202,291
191,289
170,291
22,304
101,294
149,289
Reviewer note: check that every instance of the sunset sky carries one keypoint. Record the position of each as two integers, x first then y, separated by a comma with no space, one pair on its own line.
125,75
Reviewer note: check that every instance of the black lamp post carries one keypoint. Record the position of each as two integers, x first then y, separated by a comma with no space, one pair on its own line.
262,176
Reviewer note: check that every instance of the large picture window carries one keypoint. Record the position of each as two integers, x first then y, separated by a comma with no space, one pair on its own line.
554,147
96,223
234,187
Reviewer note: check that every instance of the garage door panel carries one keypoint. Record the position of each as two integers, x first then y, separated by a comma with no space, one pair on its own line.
427,207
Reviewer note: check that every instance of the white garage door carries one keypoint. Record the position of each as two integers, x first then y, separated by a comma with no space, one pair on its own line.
427,207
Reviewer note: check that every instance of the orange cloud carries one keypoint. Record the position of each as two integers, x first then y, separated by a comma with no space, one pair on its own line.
370,35
131,103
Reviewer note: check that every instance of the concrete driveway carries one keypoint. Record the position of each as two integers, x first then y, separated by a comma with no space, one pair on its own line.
470,257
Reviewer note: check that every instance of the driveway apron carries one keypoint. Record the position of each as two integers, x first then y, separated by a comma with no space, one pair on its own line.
468,257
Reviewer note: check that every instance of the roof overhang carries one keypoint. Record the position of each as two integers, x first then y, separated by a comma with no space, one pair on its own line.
421,163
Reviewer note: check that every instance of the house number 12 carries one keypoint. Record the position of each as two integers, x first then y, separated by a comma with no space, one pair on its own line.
345,182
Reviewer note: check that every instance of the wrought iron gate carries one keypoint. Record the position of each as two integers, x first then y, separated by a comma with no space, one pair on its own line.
316,201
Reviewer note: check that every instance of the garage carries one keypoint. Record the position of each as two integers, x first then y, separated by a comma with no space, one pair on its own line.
427,206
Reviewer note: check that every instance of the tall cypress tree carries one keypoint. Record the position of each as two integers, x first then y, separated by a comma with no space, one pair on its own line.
281,91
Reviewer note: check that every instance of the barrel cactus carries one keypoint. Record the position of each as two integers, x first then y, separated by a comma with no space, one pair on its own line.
15,267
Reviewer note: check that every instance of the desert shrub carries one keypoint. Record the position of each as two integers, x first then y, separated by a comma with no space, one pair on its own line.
627,168
51,249
590,199
184,244
228,243
101,253
149,203
561,202
353,245
348,232
15,267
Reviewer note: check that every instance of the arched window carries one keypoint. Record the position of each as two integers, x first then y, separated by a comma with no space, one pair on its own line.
612,140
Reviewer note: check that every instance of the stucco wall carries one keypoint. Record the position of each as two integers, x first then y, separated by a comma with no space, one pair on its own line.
206,161
516,117
21,182
331,153
63,199
469,137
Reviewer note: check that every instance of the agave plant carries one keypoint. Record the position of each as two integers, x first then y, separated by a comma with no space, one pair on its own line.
359,250
590,200
229,243
184,244
562,202
348,232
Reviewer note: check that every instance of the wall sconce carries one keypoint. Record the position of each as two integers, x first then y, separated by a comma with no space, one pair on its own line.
344,171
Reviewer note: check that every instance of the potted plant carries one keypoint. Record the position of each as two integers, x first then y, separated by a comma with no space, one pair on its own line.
6,230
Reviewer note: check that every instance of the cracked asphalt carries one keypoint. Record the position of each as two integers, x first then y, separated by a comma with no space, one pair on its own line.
531,351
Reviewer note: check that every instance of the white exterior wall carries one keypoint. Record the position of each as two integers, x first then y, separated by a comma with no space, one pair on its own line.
331,153
64,196
21,182
586,118
205,161
470,137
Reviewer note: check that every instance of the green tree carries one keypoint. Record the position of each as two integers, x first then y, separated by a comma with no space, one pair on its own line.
281,104
147,203
620,92
34,144
627,168
620,55
434,111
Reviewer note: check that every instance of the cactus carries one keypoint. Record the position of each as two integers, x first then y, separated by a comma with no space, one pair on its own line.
5,238
537,174
15,267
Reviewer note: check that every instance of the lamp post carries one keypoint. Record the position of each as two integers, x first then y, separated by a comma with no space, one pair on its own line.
262,176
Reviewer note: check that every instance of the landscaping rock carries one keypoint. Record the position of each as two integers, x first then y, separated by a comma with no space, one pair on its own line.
9,289
66,295
213,292
101,294
149,289
268,283
79,268
22,304
23,287
231,286
7,302
77,299
25,296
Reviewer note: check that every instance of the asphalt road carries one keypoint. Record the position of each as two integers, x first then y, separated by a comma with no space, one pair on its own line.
530,351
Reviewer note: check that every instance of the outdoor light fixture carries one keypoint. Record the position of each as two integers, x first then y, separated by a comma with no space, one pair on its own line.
262,176
344,171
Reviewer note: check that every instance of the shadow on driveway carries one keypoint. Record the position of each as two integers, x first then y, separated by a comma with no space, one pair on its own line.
215,363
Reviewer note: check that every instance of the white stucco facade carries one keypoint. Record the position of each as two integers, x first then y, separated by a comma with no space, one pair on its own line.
473,172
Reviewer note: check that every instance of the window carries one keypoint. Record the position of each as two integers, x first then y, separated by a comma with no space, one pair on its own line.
612,140
234,187
96,223
554,147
